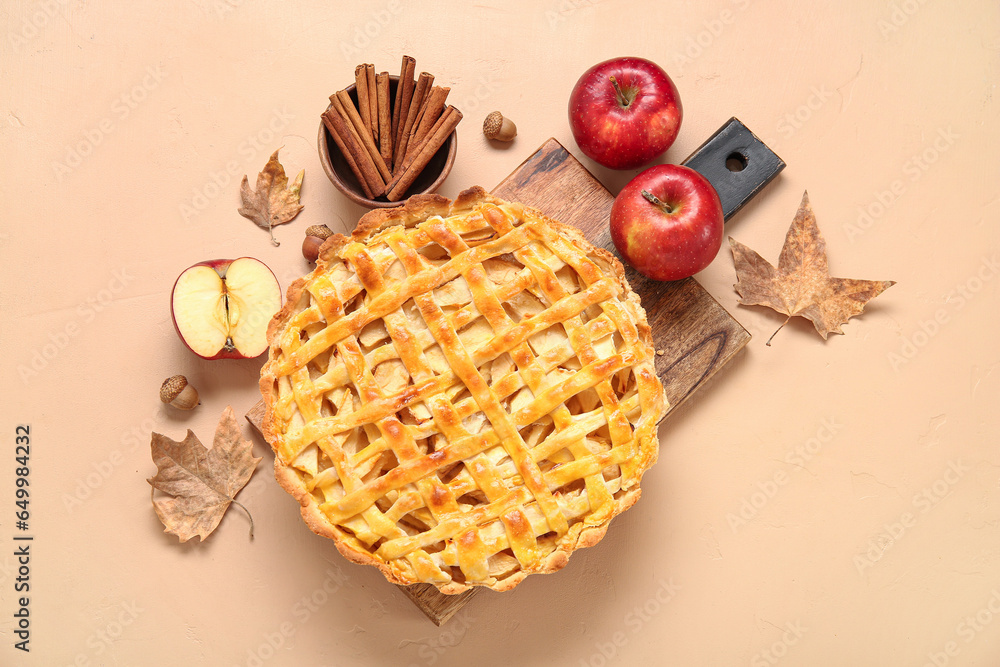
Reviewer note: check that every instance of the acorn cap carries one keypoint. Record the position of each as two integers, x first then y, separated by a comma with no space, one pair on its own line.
176,391
495,126
319,231
492,124
171,387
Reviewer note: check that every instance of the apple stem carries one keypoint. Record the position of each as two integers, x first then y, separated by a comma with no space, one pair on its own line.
656,201
622,98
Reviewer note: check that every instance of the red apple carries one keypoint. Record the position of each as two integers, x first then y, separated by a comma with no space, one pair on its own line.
221,308
667,222
624,112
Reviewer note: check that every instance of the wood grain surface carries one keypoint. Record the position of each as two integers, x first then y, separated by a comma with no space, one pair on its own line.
693,334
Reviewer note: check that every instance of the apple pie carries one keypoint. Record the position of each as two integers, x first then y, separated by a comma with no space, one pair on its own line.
462,393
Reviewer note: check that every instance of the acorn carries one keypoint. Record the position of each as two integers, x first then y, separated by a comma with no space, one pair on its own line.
315,236
497,127
176,391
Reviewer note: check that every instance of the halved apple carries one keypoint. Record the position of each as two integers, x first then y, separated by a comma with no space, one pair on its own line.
221,308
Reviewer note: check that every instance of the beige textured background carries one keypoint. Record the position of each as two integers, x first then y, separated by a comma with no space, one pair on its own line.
820,503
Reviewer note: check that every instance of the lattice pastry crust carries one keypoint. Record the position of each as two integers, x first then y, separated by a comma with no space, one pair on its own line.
463,393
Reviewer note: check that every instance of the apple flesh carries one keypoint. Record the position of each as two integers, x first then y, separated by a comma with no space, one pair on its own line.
221,308
667,222
625,112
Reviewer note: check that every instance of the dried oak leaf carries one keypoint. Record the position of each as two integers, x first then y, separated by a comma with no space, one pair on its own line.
801,285
203,482
272,202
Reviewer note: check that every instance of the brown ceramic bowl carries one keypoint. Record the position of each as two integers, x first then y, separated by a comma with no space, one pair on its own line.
343,178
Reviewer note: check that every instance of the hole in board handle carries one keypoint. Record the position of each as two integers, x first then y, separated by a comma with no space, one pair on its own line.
736,161
712,160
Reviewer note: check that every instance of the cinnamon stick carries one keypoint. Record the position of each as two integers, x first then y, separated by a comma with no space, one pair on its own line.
411,154
446,124
384,117
433,107
346,152
337,104
404,93
361,88
372,101
423,108
353,151
366,135
423,86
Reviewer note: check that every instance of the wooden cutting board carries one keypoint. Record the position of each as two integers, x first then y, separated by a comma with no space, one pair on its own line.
694,336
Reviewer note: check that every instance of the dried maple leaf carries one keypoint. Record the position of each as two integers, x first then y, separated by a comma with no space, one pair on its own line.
203,482
801,285
272,202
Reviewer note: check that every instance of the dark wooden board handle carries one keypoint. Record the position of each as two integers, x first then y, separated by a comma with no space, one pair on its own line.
736,163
